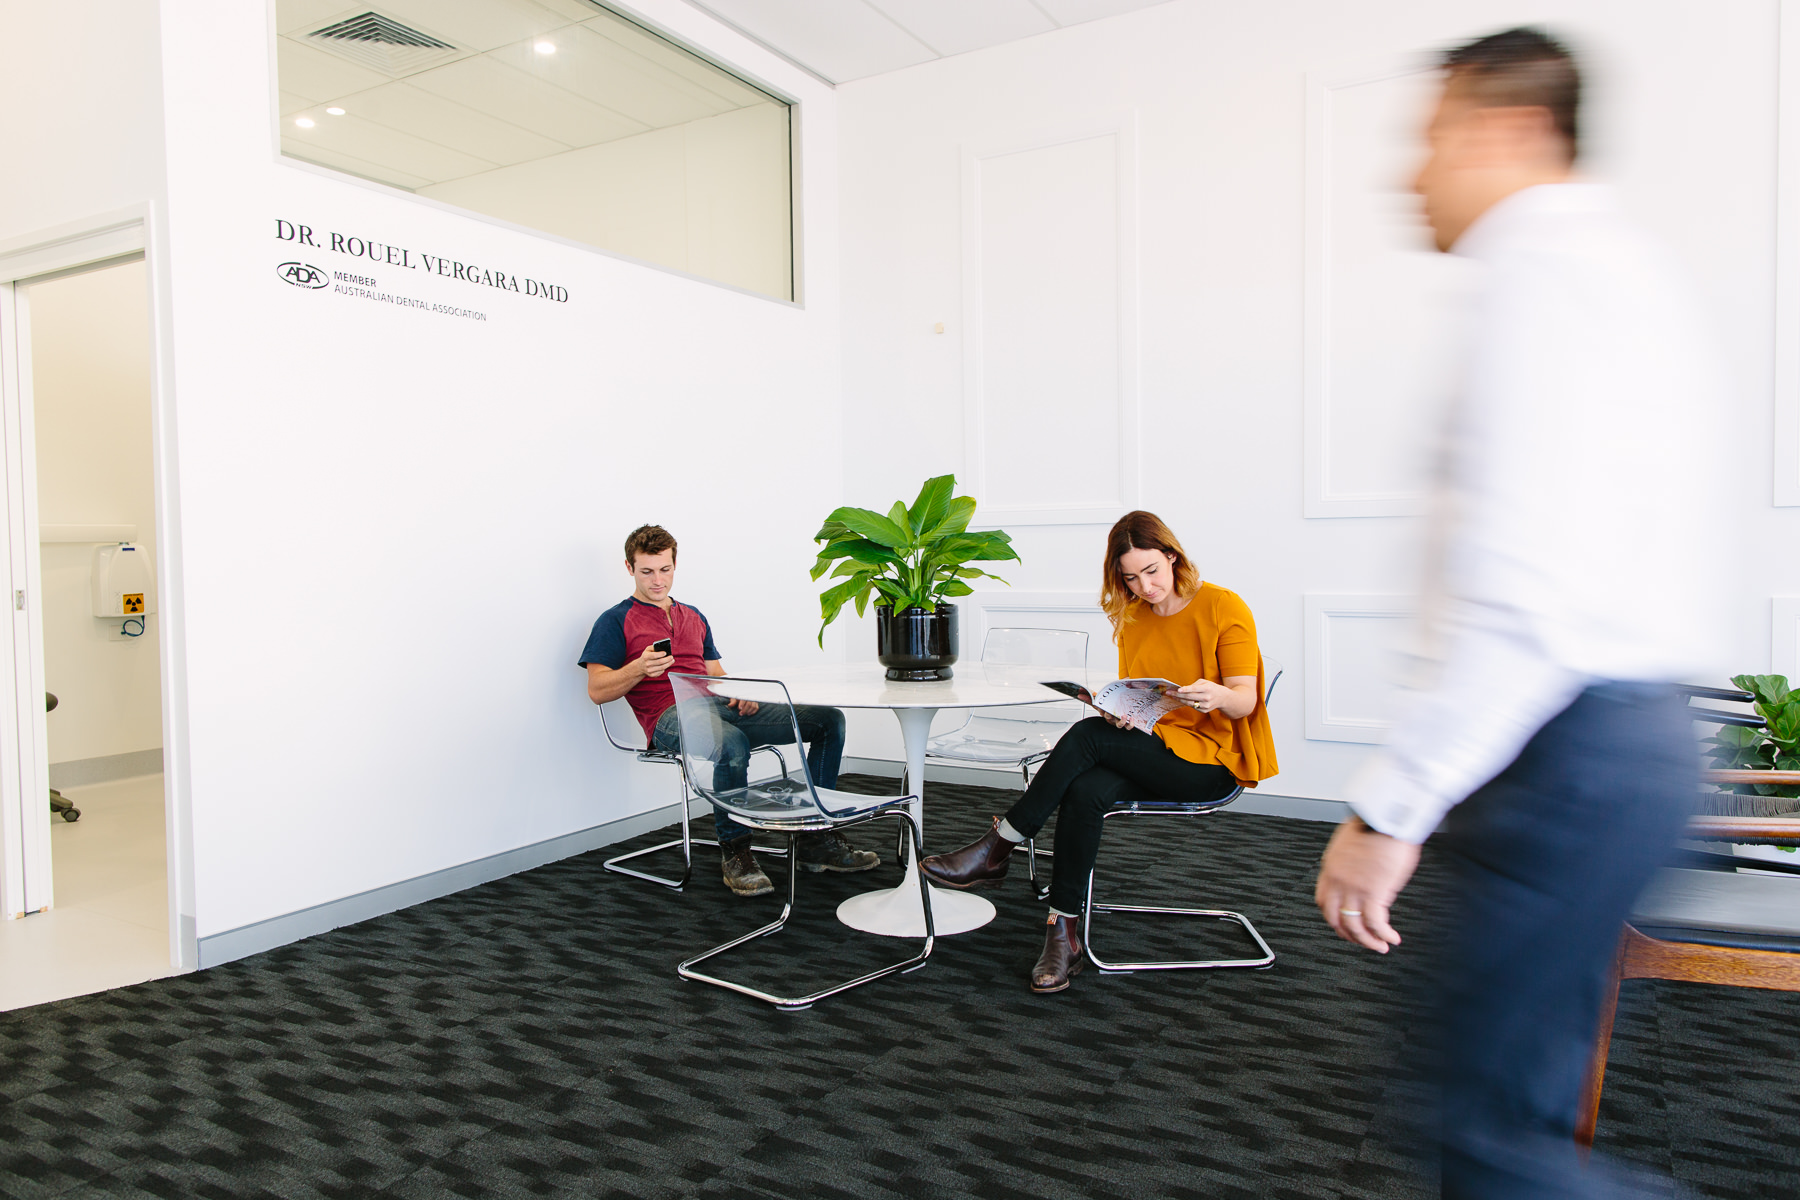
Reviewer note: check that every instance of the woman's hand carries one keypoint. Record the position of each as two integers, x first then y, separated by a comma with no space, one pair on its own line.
1236,697
1203,694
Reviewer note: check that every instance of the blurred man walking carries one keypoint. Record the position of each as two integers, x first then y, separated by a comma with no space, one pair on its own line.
1568,593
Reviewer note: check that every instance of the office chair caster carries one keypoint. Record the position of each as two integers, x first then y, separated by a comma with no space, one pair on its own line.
60,806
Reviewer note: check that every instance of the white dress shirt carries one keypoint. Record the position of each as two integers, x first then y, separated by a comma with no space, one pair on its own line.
1576,483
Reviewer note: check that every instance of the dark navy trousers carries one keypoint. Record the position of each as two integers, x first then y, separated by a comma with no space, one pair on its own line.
1547,859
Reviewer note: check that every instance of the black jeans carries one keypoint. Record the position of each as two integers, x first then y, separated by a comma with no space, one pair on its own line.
1094,767
1546,861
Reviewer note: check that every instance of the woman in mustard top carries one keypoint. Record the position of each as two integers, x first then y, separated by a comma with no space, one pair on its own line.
1169,625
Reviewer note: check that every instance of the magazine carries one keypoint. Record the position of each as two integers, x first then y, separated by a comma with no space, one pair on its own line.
1136,703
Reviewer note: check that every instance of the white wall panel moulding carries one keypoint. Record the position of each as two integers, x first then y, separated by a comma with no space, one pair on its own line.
1784,644
1381,304
1350,643
1007,609
1050,324
1787,263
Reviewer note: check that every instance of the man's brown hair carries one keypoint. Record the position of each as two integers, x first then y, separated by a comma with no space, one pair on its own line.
648,539
1521,68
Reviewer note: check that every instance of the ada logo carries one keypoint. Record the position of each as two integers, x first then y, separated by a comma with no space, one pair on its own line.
302,275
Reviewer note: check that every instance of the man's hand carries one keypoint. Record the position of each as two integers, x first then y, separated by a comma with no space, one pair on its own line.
653,662
1360,876
745,708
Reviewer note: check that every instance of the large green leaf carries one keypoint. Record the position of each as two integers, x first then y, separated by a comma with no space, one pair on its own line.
974,547
933,502
897,515
957,515
873,526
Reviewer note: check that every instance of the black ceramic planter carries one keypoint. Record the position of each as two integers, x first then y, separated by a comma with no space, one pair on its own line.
916,643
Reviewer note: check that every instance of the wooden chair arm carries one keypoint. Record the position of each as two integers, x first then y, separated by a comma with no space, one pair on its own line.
1783,778
1762,831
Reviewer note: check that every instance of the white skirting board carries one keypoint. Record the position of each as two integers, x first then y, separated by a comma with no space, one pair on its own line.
1250,802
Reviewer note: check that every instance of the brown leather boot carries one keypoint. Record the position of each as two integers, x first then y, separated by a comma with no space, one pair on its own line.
981,863
1062,958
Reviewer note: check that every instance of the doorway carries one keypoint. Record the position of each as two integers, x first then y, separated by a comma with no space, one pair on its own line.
93,842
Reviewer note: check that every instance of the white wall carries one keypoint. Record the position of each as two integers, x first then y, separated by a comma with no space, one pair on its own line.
84,134
1212,95
90,373
398,524
710,197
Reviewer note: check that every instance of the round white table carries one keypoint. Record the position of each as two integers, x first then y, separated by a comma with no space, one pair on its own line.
895,911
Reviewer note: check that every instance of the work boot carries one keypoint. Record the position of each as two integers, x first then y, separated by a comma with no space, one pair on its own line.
982,863
833,852
1062,958
742,875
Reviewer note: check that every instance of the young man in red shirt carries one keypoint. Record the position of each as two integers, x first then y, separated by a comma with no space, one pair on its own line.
622,660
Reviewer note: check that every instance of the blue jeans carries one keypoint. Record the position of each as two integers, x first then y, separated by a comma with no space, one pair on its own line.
1546,860
736,735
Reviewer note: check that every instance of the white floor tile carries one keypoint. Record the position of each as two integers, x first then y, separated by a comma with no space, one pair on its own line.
110,924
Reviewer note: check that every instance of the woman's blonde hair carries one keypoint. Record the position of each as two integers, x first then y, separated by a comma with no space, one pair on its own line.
1139,531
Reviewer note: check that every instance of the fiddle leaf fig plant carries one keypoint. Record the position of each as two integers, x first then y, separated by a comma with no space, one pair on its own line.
1773,748
912,556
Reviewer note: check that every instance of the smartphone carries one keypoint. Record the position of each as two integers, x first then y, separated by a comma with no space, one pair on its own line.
661,647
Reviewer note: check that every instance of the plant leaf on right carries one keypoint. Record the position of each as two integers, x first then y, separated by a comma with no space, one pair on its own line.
1773,748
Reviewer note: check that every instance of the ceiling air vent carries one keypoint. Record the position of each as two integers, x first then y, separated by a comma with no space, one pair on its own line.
383,43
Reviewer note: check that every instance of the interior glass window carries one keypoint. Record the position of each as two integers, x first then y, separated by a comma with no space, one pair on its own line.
560,115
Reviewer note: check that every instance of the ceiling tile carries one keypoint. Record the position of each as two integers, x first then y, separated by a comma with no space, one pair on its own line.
318,75
338,161
1074,12
446,123
956,26
840,39
652,48
602,71
526,101
473,24
374,143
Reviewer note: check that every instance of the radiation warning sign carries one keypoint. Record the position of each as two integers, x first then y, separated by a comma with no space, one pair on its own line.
133,602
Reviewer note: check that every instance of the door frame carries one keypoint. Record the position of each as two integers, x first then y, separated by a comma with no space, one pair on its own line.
26,880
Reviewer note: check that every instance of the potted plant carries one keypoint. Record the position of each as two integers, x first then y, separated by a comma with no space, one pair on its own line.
1775,747
914,557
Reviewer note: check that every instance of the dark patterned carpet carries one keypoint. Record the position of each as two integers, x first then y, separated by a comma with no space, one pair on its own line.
530,1038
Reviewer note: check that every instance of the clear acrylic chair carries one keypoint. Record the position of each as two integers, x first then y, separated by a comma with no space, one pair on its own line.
1177,808
639,746
789,804
1020,735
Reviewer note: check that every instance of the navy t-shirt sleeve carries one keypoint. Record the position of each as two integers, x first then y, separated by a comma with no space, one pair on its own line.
606,644
708,651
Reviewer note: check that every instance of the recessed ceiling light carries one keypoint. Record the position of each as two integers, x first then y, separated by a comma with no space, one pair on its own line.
304,122
545,47
336,112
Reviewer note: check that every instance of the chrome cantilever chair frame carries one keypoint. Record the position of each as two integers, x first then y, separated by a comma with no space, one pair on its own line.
687,842
817,819
1176,808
